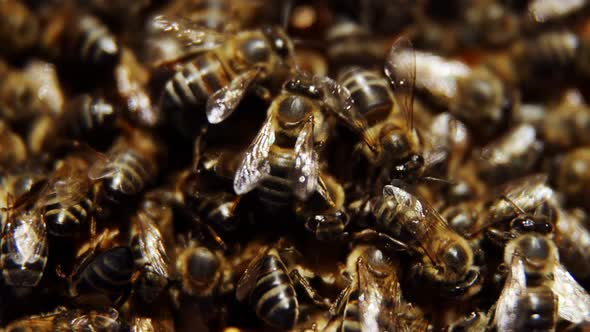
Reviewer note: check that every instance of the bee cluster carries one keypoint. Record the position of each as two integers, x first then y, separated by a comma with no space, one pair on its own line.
356,165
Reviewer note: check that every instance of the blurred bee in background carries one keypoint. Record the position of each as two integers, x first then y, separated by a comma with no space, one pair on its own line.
221,68
447,257
12,147
489,23
573,240
62,319
565,125
19,27
130,165
512,155
79,38
538,287
373,299
474,95
269,288
547,13
282,162
570,177
149,251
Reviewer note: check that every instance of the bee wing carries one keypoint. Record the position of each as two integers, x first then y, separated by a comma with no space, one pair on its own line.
370,298
224,101
505,315
188,32
66,187
248,279
339,101
306,169
574,301
101,168
400,68
422,221
255,165
151,245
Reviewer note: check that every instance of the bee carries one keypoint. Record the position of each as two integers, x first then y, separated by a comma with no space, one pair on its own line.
473,322
547,12
132,79
565,125
225,68
62,319
510,156
147,324
80,38
282,162
203,271
447,256
14,150
24,248
121,12
269,287
34,90
381,17
104,272
149,251
344,39
569,175
573,238
474,95
88,115
490,23
538,287
130,165
19,27
373,300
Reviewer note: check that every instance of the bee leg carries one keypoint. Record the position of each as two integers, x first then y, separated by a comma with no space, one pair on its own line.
498,237
297,278
199,148
323,190
338,305
369,235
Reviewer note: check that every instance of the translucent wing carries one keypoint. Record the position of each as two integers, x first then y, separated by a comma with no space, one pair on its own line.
248,279
223,102
506,306
67,187
370,298
306,169
339,101
188,32
419,219
574,301
255,165
151,245
400,68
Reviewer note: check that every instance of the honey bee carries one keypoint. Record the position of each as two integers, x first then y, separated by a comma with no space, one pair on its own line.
351,44
269,287
490,23
34,90
80,38
282,162
62,319
224,68
129,166
88,115
149,251
565,125
510,156
570,177
573,238
475,95
104,272
447,257
373,300
19,27
544,12
203,271
538,287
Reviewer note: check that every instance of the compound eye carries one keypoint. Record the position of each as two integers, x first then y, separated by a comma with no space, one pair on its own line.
522,224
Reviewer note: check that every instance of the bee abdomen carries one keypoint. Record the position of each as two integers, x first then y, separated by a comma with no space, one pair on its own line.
195,82
108,273
132,173
538,309
370,93
274,296
96,45
66,221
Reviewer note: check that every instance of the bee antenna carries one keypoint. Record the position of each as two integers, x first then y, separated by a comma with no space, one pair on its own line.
286,13
514,205
439,180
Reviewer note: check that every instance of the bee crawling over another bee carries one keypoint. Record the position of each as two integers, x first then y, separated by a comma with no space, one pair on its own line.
218,69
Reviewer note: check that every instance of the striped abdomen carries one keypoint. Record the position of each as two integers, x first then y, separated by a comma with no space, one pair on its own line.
24,250
66,221
195,82
273,295
370,92
276,190
108,273
130,173
537,310
95,44
351,321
